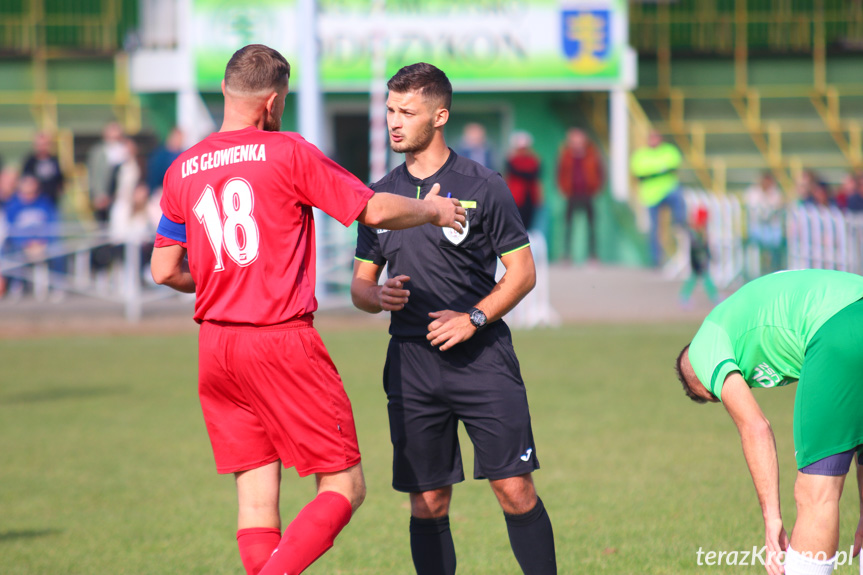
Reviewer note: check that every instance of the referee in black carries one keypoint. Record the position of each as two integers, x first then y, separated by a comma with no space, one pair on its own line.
451,356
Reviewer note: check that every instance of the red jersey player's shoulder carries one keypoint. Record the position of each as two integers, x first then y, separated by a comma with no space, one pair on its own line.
284,142
293,136
181,167
221,149
294,140
287,138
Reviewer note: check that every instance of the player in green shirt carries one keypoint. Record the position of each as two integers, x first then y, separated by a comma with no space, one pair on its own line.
804,326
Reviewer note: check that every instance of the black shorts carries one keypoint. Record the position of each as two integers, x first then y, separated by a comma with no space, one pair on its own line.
429,391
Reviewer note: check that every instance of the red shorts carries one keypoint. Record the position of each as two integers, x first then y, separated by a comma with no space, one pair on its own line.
273,393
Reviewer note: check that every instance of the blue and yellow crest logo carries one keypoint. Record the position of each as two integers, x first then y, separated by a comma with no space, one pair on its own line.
586,37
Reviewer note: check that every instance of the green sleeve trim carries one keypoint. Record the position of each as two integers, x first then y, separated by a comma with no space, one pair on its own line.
362,260
515,250
716,373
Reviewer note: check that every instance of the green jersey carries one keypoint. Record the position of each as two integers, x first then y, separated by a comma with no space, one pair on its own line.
764,328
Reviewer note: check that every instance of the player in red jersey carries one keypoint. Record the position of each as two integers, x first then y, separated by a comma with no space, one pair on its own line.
239,203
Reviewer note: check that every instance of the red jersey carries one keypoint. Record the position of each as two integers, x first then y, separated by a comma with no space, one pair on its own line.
245,198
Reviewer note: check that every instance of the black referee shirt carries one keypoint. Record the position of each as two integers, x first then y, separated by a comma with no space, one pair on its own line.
447,270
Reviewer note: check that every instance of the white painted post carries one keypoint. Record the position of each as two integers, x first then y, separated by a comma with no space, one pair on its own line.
41,281
535,308
311,118
309,96
619,122
82,269
192,115
619,145
378,94
132,281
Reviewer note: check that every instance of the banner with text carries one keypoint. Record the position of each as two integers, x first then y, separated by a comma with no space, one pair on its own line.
485,45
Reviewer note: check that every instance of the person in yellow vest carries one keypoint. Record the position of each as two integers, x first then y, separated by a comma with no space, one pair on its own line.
655,166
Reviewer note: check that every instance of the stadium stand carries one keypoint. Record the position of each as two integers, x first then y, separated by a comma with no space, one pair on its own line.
751,85
64,71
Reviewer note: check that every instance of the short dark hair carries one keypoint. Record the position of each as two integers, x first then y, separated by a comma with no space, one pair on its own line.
425,79
256,68
678,367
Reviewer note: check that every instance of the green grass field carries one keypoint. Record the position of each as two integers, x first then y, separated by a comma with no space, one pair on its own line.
105,466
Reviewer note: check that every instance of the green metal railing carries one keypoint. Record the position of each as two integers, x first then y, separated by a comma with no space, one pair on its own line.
28,27
769,26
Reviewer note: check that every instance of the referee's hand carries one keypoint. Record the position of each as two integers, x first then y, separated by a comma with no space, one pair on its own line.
392,296
450,214
449,328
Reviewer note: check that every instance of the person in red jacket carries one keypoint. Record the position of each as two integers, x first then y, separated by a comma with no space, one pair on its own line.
523,173
580,177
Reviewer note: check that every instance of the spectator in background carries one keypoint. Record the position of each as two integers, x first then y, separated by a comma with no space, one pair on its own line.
130,220
655,165
162,158
765,203
805,186
30,216
580,177
699,259
846,190
523,172
8,185
820,195
765,214
474,145
103,161
127,219
855,197
43,164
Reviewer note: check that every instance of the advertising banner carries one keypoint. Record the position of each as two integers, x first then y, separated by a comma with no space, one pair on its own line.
482,45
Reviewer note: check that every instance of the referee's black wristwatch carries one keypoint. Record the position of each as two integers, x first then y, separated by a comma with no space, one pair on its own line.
477,318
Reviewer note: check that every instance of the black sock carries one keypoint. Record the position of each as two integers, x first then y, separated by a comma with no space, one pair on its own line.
432,548
532,540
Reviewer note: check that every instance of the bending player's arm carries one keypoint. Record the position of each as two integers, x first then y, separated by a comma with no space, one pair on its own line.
450,328
759,449
168,268
368,296
393,212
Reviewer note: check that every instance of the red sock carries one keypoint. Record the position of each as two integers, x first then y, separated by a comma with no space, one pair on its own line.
256,546
310,535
